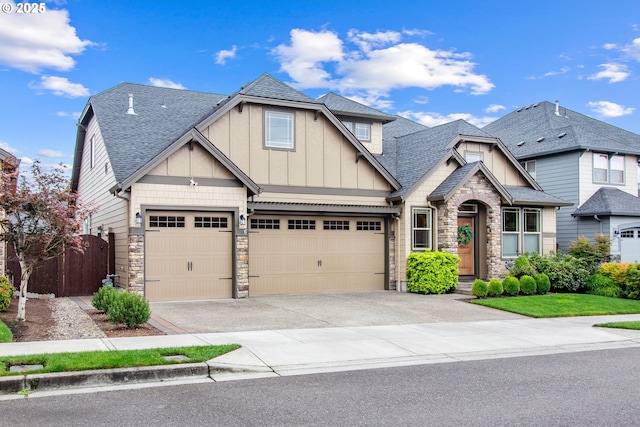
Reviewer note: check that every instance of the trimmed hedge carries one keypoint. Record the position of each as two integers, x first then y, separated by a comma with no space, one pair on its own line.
479,288
432,272
129,309
6,293
511,285
543,283
495,288
527,285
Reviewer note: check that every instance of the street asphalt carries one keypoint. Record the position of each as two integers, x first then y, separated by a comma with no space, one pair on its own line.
304,334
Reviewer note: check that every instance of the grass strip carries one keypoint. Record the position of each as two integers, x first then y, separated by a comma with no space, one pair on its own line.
89,360
632,324
562,305
5,333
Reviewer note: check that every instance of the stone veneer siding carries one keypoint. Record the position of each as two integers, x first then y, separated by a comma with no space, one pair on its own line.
242,266
480,189
136,263
393,282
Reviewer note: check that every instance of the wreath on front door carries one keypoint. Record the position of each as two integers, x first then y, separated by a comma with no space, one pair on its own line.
464,234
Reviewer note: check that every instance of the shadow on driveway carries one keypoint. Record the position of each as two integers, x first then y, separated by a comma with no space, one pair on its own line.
319,311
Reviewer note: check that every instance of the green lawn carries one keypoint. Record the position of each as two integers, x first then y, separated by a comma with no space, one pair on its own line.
635,325
65,362
562,305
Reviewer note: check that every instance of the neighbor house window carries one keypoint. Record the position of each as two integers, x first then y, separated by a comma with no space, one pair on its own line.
471,157
421,229
362,131
278,129
608,169
521,231
530,166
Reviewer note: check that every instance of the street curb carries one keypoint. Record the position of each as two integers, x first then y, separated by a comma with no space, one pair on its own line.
102,377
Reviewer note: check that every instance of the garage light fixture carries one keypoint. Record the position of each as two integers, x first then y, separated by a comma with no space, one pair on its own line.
138,218
243,220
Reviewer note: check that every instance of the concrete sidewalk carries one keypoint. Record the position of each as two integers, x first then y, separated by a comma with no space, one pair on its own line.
315,350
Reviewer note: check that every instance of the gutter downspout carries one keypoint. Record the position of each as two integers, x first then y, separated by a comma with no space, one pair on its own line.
600,221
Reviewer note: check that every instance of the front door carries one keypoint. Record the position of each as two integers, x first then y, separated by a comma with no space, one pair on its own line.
466,246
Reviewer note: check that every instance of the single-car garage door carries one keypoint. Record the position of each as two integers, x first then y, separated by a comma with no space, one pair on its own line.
188,255
315,254
630,245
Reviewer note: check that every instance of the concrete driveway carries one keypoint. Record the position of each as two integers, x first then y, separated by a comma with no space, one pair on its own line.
319,311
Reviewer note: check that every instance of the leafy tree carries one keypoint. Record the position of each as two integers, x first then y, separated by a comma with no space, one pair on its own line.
42,219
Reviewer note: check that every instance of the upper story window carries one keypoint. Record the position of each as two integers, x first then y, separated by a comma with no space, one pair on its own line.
530,166
608,168
279,129
471,156
362,131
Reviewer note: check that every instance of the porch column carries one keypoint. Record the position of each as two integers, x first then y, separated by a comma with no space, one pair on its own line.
242,266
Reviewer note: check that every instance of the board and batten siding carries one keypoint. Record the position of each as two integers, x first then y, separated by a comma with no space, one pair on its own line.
110,211
322,156
495,160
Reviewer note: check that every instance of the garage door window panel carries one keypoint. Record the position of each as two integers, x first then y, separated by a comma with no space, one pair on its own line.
368,225
210,222
336,225
302,224
166,221
265,224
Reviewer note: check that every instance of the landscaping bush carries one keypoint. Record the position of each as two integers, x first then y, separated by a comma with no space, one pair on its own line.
631,288
5,333
103,299
528,285
432,272
566,273
479,288
592,253
616,270
599,284
495,288
542,283
6,293
511,285
129,309
522,266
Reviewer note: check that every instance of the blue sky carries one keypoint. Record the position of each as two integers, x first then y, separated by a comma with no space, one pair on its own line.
430,61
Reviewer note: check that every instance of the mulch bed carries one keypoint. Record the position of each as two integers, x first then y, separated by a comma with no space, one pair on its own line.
40,319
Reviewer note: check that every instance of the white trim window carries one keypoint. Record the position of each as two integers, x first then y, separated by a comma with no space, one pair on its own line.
530,166
421,229
472,156
362,131
521,231
608,169
279,129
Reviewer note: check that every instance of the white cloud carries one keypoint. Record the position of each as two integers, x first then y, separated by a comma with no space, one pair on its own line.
434,119
633,49
421,100
26,161
613,72
5,146
562,70
35,41
494,108
51,153
74,115
610,46
223,55
370,65
609,109
60,86
165,83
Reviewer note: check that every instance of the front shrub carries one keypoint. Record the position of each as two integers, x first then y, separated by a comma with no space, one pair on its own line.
566,273
631,287
103,299
542,283
522,266
592,253
528,285
616,270
129,309
602,285
511,285
479,288
6,293
432,272
495,288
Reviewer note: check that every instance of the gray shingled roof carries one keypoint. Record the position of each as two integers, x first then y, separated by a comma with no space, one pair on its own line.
266,86
521,131
400,127
609,201
342,106
162,116
527,195
453,181
418,153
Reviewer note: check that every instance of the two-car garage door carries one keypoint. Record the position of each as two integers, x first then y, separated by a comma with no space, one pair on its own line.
188,255
315,254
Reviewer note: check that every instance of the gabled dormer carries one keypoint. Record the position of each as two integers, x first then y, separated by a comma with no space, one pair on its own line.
362,121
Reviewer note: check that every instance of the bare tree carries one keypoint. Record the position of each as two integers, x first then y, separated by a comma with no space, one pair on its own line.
42,218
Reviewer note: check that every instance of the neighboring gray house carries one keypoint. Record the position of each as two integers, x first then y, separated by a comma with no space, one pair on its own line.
582,160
